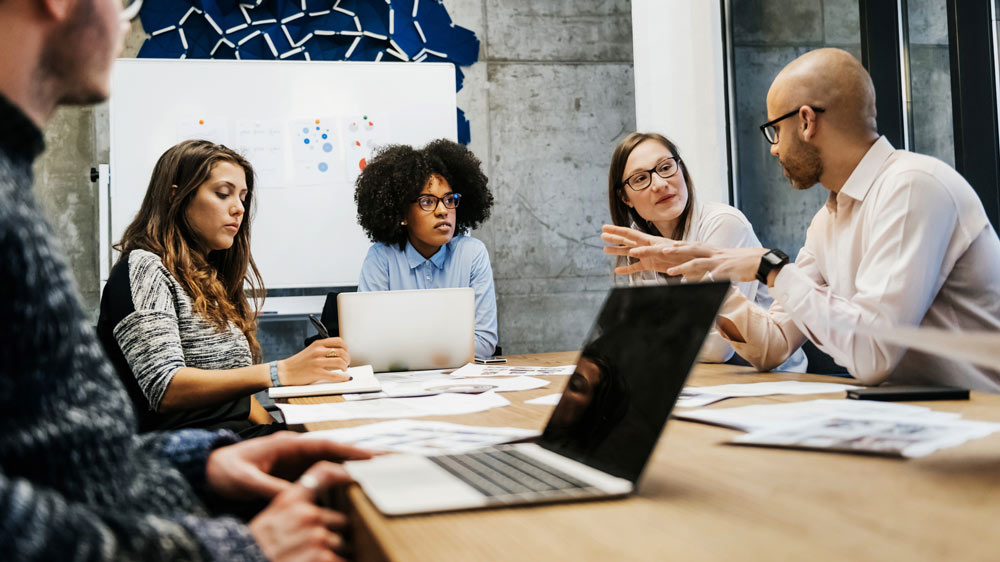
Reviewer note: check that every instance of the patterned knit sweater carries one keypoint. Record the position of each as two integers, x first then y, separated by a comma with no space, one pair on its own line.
76,482
150,331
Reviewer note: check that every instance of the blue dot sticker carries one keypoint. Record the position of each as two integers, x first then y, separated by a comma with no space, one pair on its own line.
323,167
305,130
323,135
327,147
306,141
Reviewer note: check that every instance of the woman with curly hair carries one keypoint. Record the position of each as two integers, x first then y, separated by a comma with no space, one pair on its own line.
408,203
175,319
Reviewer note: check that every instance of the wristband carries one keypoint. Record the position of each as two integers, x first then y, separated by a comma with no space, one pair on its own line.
275,381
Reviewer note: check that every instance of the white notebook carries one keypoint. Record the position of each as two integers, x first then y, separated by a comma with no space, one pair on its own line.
362,380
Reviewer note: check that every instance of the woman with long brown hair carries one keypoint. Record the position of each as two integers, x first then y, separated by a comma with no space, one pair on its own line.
175,318
650,190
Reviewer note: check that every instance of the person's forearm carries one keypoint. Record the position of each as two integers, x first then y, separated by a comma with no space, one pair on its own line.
190,387
763,338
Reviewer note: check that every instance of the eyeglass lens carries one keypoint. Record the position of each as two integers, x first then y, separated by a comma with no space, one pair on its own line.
430,202
771,134
642,180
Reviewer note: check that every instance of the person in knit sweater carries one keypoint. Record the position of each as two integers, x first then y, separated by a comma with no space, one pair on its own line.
76,481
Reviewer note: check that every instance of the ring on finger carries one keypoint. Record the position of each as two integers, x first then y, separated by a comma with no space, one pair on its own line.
332,353
309,482
709,276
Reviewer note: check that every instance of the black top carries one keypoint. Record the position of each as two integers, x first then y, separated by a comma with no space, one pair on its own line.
117,304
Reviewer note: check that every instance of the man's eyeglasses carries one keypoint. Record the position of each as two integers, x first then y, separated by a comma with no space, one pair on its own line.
643,179
130,9
430,202
771,133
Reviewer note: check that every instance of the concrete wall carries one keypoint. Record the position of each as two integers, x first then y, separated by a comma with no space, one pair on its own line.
551,96
930,79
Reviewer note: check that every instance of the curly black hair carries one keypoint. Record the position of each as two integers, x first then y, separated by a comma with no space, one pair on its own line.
398,173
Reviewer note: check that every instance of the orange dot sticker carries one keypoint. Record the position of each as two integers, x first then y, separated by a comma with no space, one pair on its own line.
201,121
362,163
357,143
317,121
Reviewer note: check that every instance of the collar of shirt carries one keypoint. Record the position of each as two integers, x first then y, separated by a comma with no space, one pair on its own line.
863,177
415,260
20,138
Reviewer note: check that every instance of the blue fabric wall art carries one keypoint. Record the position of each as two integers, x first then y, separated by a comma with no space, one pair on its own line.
328,30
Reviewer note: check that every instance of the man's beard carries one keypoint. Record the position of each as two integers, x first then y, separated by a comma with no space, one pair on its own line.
61,62
802,165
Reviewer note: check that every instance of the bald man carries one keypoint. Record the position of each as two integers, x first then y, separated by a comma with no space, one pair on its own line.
902,240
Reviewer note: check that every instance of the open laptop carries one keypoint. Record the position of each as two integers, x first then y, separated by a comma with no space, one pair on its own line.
409,330
600,435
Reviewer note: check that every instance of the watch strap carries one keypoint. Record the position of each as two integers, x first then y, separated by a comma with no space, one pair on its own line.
275,381
771,261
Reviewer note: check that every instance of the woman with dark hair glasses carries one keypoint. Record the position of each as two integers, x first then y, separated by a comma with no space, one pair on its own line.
650,190
417,205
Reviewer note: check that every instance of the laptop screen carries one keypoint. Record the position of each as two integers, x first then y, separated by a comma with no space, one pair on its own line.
630,372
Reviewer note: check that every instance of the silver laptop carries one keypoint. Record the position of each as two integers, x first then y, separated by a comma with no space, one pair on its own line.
409,330
600,435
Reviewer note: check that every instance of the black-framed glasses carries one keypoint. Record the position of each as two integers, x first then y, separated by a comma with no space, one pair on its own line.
771,134
430,202
130,9
666,168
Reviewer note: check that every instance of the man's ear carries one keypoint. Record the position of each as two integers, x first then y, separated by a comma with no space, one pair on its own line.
808,122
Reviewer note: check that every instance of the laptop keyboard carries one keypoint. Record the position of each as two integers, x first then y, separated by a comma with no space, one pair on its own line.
505,474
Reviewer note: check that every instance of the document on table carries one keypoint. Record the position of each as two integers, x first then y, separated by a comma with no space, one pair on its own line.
362,380
442,384
423,437
777,416
473,370
695,396
914,436
438,405
547,400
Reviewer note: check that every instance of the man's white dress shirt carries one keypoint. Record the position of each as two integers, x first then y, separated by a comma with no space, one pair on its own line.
906,242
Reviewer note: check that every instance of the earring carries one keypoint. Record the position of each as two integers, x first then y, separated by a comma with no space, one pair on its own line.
402,223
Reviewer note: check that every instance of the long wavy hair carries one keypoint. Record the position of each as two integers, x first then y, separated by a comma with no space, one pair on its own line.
622,214
217,282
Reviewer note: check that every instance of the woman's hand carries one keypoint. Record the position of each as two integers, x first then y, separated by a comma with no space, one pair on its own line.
292,527
653,253
316,363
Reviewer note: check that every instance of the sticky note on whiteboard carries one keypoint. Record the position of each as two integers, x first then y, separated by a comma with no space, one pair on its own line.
214,129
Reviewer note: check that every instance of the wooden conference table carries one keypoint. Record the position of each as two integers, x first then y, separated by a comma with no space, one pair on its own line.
700,499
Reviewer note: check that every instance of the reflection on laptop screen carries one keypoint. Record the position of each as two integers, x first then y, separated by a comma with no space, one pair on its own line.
629,375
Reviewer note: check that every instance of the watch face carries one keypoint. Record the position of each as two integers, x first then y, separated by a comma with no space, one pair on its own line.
772,258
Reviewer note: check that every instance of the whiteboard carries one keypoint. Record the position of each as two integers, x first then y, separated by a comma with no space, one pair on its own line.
276,113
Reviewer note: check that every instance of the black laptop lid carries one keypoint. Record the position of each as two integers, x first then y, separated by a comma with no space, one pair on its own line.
630,373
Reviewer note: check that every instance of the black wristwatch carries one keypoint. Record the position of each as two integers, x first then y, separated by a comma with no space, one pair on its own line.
771,261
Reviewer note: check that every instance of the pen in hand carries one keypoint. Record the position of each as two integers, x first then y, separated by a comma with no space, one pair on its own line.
319,326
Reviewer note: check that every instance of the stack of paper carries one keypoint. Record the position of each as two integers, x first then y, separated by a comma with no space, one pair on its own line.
473,370
362,380
695,396
423,437
861,426
439,405
428,386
